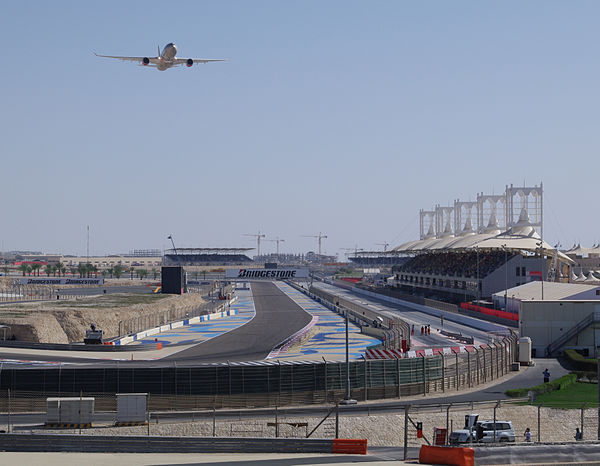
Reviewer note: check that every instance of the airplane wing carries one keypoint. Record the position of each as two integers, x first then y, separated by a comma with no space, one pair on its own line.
133,59
183,61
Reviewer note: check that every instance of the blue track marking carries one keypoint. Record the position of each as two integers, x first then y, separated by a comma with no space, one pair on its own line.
329,338
202,331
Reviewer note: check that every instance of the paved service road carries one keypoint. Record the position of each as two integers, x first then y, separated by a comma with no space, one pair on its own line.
277,317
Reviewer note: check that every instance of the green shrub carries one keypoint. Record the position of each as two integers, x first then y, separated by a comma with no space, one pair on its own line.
580,362
557,384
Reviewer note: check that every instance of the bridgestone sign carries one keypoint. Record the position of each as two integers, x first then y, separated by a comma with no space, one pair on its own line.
61,281
266,274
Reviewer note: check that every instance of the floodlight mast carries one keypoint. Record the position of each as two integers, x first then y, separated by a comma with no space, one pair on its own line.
175,249
384,244
258,237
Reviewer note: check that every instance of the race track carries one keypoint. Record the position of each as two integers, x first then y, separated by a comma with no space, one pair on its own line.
277,317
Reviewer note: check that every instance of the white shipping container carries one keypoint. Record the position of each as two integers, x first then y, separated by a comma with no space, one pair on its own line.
71,410
131,407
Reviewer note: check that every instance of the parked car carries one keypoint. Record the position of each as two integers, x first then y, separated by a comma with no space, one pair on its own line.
483,431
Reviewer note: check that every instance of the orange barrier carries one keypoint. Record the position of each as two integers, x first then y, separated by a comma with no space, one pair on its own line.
159,346
447,455
350,446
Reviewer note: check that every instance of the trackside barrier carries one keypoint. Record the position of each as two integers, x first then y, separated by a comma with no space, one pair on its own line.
447,455
174,325
135,444
350,446
490,312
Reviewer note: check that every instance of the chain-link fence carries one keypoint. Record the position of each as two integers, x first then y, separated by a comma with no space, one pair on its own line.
268,383
408,424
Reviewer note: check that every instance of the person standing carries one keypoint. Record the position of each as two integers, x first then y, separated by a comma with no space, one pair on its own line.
546,375
527,435
578,434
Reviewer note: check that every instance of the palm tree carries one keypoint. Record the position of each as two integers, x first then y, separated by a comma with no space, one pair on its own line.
24,268
81,269
93,269
35,267
29,270
73,270
142,273
49,269
118,270
104,273
60,267
131,270
154,273
5,269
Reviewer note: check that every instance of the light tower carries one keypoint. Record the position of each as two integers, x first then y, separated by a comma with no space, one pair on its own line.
320,237
258,237
384,244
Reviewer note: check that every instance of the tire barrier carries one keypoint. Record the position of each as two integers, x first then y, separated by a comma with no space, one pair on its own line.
447,455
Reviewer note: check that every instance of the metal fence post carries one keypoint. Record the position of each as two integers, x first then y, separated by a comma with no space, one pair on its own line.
469,368
539,435
456,377
444,375
424,378
276,423
8,419
582,414
325,378
406,410
337,419
398,375
484,367
366,380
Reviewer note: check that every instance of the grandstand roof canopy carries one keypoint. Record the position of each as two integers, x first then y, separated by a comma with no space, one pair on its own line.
208,250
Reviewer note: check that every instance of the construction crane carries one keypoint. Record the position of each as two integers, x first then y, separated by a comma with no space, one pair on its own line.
277,240
385,245
258,237
320,237
355,249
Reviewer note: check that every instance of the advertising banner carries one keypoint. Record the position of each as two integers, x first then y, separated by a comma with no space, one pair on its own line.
266,274
60,281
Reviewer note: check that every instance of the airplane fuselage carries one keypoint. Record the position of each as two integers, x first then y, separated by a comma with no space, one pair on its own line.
167,56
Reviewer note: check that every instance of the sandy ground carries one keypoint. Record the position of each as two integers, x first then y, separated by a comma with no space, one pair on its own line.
67,321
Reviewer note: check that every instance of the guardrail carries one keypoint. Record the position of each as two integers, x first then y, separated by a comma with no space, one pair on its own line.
131,444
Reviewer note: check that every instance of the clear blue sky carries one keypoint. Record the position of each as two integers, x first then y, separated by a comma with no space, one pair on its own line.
342,117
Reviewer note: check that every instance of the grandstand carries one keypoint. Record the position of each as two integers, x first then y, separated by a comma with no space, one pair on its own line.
206,256
456,261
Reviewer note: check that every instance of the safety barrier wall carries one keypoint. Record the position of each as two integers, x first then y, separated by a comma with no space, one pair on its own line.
173,325
131,444
491,312
161,321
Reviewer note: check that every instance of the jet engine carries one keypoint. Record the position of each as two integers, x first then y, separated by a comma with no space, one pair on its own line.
189,62
145,61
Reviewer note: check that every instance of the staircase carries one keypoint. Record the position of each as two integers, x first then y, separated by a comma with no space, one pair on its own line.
572,332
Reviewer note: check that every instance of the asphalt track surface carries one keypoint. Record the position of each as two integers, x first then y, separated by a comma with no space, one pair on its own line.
277,317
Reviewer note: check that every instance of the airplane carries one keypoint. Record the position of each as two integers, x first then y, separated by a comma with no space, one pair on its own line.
164,60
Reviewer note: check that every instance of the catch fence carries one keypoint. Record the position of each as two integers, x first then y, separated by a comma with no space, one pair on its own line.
259,384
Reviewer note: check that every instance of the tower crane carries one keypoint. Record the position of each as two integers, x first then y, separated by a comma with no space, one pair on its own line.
277,240
258,237
320,237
